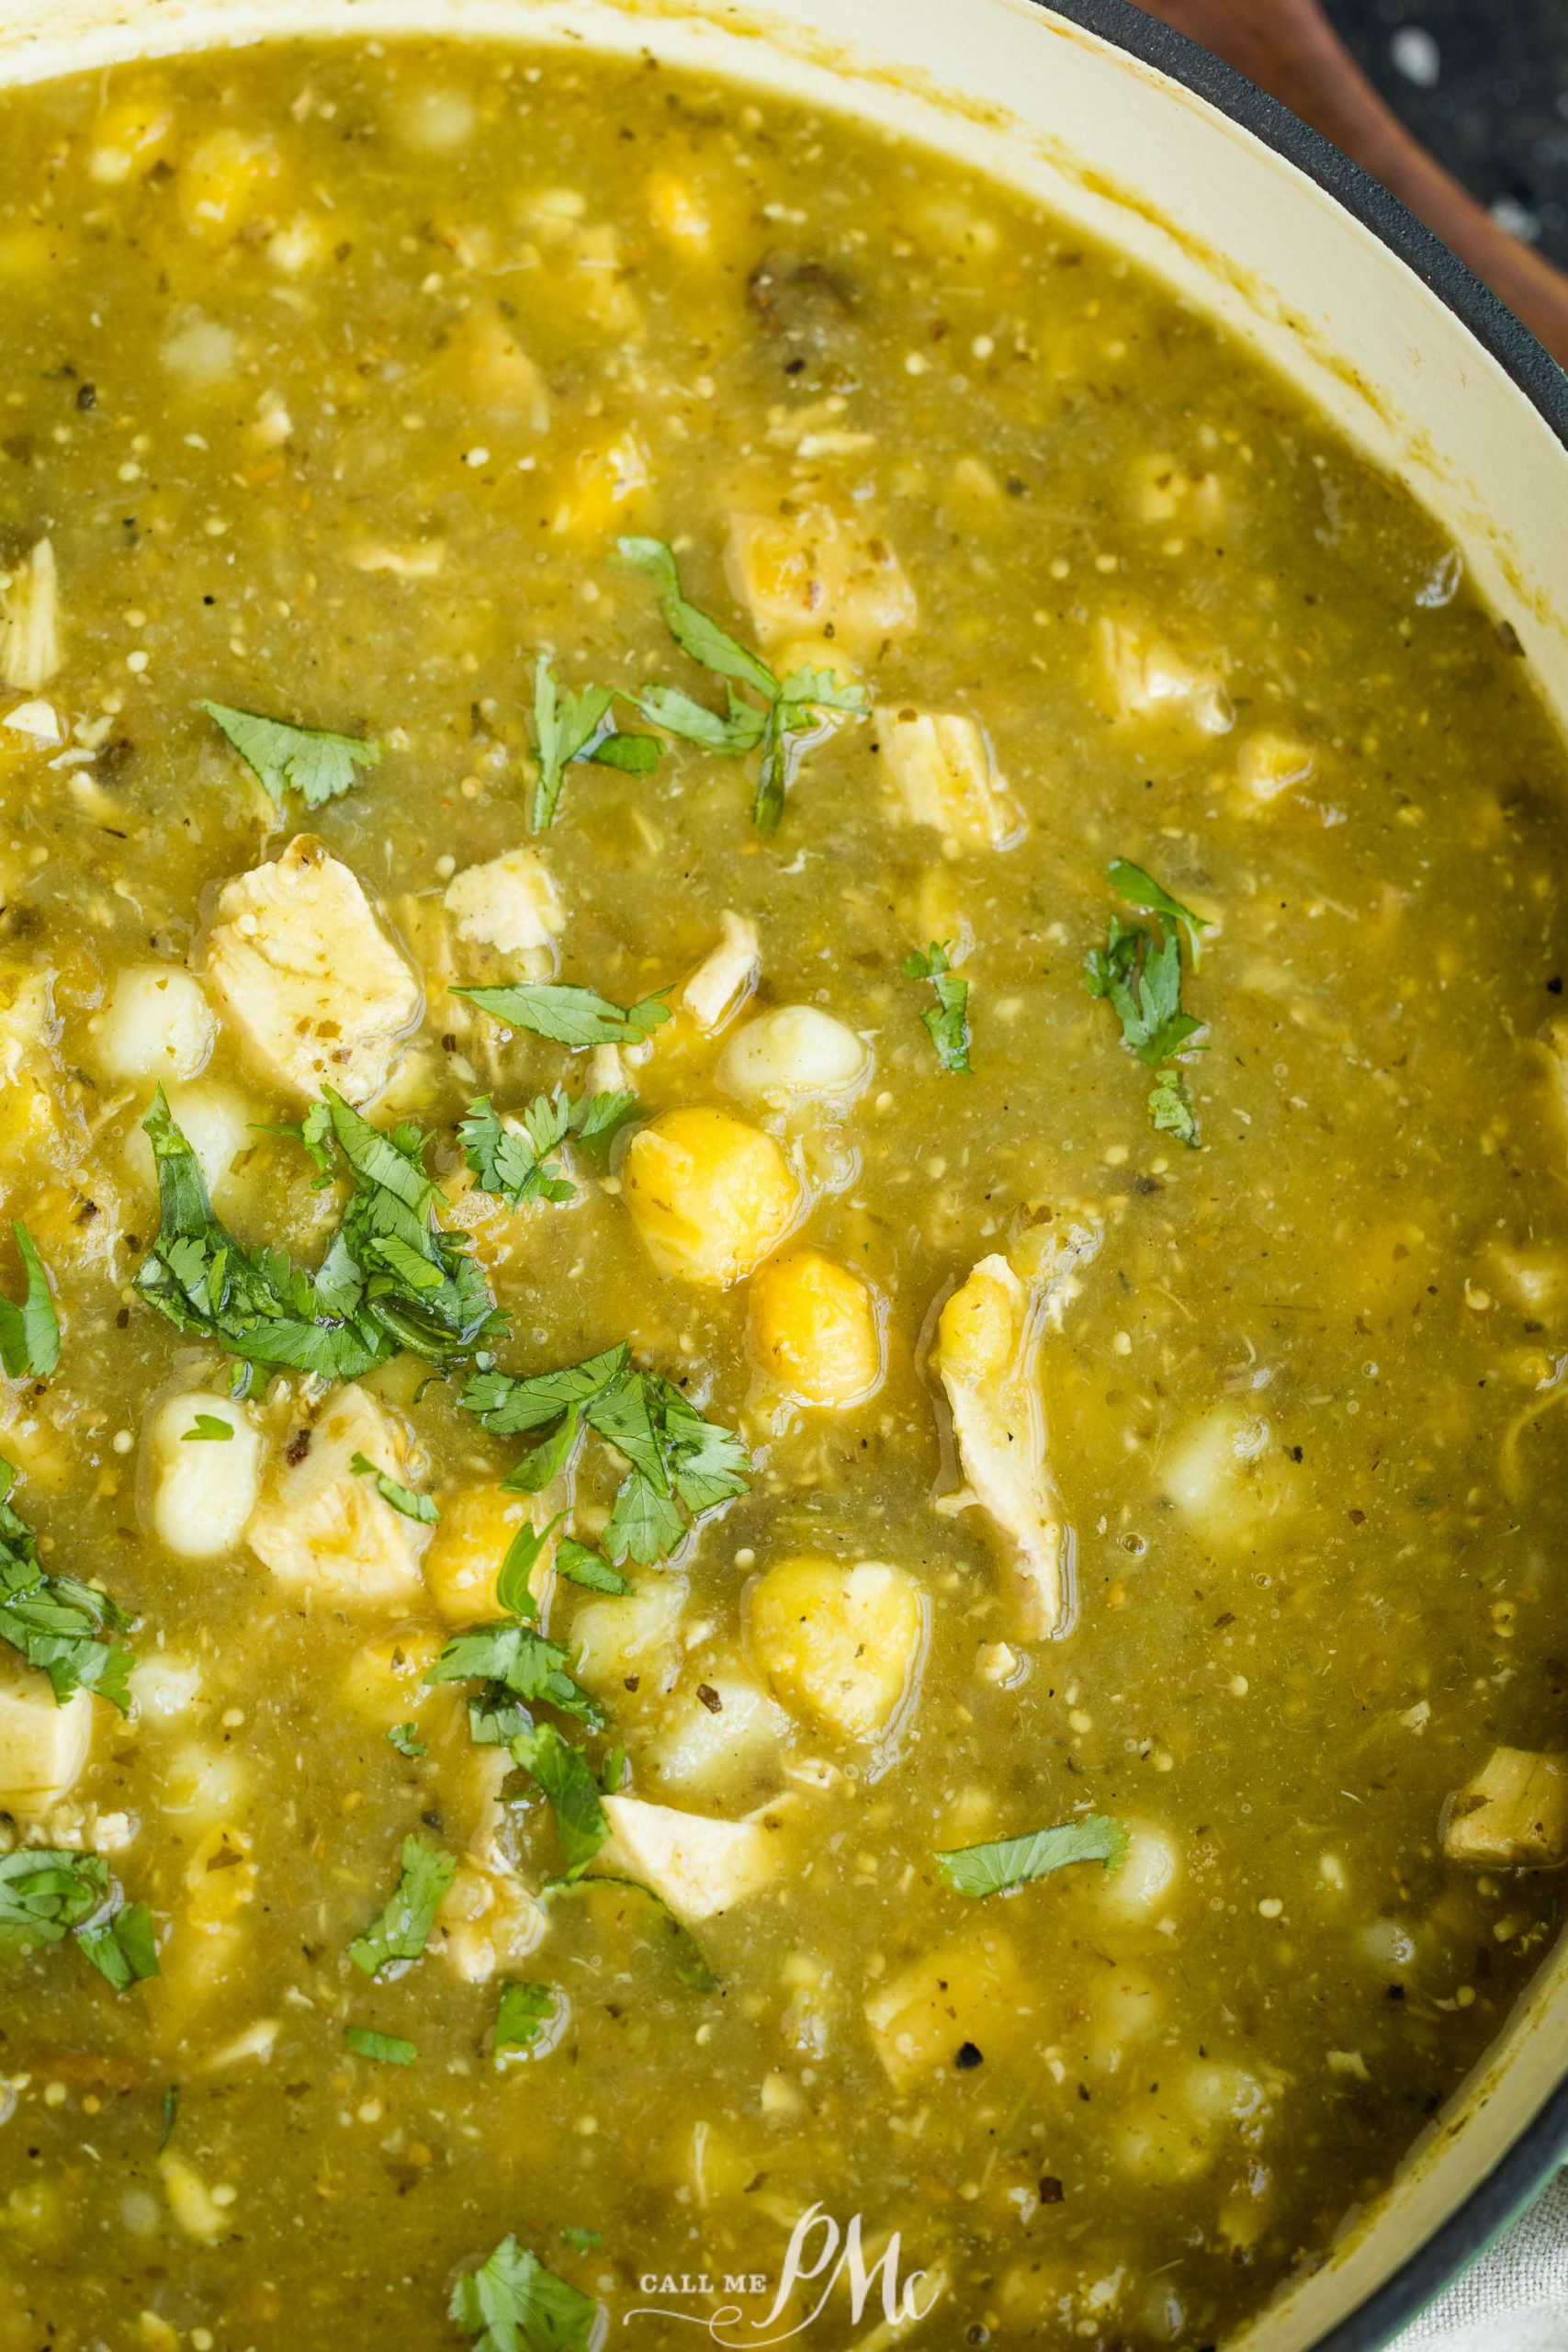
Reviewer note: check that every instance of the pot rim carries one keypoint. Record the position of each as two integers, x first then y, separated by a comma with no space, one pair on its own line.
1527,2165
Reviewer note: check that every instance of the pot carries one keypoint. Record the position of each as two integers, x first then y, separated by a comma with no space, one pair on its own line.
1152,146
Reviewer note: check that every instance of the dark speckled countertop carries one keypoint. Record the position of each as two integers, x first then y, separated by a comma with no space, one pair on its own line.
1484,84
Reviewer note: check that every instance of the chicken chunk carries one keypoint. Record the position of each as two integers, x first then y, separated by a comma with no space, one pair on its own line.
307,976
1513,1813
44,1745
839,1646
726,977
511,904
973,1991
488,1921
938,770
29,621
810,573
321,1525
1143,678
710,1196
38,1120
699,1864
988,1358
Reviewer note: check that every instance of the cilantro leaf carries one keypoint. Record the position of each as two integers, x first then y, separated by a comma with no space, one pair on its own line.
509,1405
570,728
563,1775
581,1565
405,1739
255,1304
581,2241
210,1427
1138,972
1007,1862
401,1499
513,1590
317,765
791,706
517,1167
122,1948
401,1929
947,1021
58,1625
692,1966
512,2304
388,2049
515,1659
30,1334
569,1015
524,2013
1141,890
49,1893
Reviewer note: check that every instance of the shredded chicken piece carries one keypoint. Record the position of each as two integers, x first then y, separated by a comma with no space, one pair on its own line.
29,621
726,977
988,1358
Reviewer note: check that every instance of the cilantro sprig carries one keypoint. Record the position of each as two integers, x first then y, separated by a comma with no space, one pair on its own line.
678,1462
401,1929
387,2049
30,1334
311,761
392,1277
401,1499
511,2301
49,1893
1003,1863
569,1015
1139,973
521,2016
947,1021
565,1778
790,710
58,1625
572,728
520,1168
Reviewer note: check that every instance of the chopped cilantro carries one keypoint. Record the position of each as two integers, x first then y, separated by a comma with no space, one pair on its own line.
209,1426
675,1455
1007,1862
405,1739
58,1625
516,1659
170,2116
388,2049
401,1928
581,1566
563,1774
581,2241
517,1167
692,1966
401,1499
576,727
1138,972
791,706
511,2301
569,1015
30,1334
49,1893
947,1021
525,2011
316,764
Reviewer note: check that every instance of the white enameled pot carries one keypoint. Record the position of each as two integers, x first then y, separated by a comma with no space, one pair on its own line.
1136,136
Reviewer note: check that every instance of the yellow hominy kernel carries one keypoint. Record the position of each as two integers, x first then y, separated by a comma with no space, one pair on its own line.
710,1195
814,1330
476,1530
226,182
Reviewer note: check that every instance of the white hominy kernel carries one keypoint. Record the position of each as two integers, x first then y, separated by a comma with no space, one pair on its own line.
137,661
123,1441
